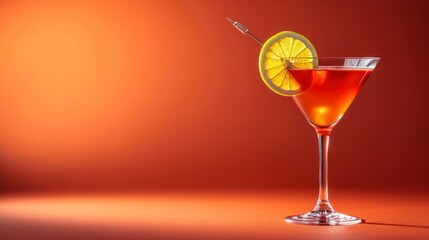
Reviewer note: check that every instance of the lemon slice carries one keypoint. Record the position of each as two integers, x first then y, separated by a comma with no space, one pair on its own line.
275,60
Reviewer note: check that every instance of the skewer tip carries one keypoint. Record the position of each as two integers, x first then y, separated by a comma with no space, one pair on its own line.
230,20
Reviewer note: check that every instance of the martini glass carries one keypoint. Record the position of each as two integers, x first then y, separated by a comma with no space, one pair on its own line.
326,88
331,86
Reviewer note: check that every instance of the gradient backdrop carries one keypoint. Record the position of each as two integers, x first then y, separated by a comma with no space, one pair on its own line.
166,95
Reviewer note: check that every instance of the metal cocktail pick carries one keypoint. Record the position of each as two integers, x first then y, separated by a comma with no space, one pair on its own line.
243,30
288,63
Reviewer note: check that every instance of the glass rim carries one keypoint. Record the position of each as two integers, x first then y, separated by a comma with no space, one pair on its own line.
346,62
375,58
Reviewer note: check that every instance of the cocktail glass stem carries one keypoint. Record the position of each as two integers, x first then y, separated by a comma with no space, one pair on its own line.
323,205
323,213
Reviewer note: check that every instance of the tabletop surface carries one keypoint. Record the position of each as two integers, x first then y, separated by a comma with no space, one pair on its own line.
238,215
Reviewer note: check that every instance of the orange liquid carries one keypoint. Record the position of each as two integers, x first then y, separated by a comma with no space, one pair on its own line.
331,92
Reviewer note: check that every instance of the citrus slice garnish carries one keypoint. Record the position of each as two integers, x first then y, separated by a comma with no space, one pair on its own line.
278,55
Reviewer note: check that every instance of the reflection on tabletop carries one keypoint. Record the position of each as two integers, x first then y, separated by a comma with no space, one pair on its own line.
245,215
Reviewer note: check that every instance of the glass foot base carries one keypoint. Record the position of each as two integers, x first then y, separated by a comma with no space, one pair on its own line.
323,218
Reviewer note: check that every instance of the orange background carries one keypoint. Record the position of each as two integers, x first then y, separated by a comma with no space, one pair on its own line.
157,95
